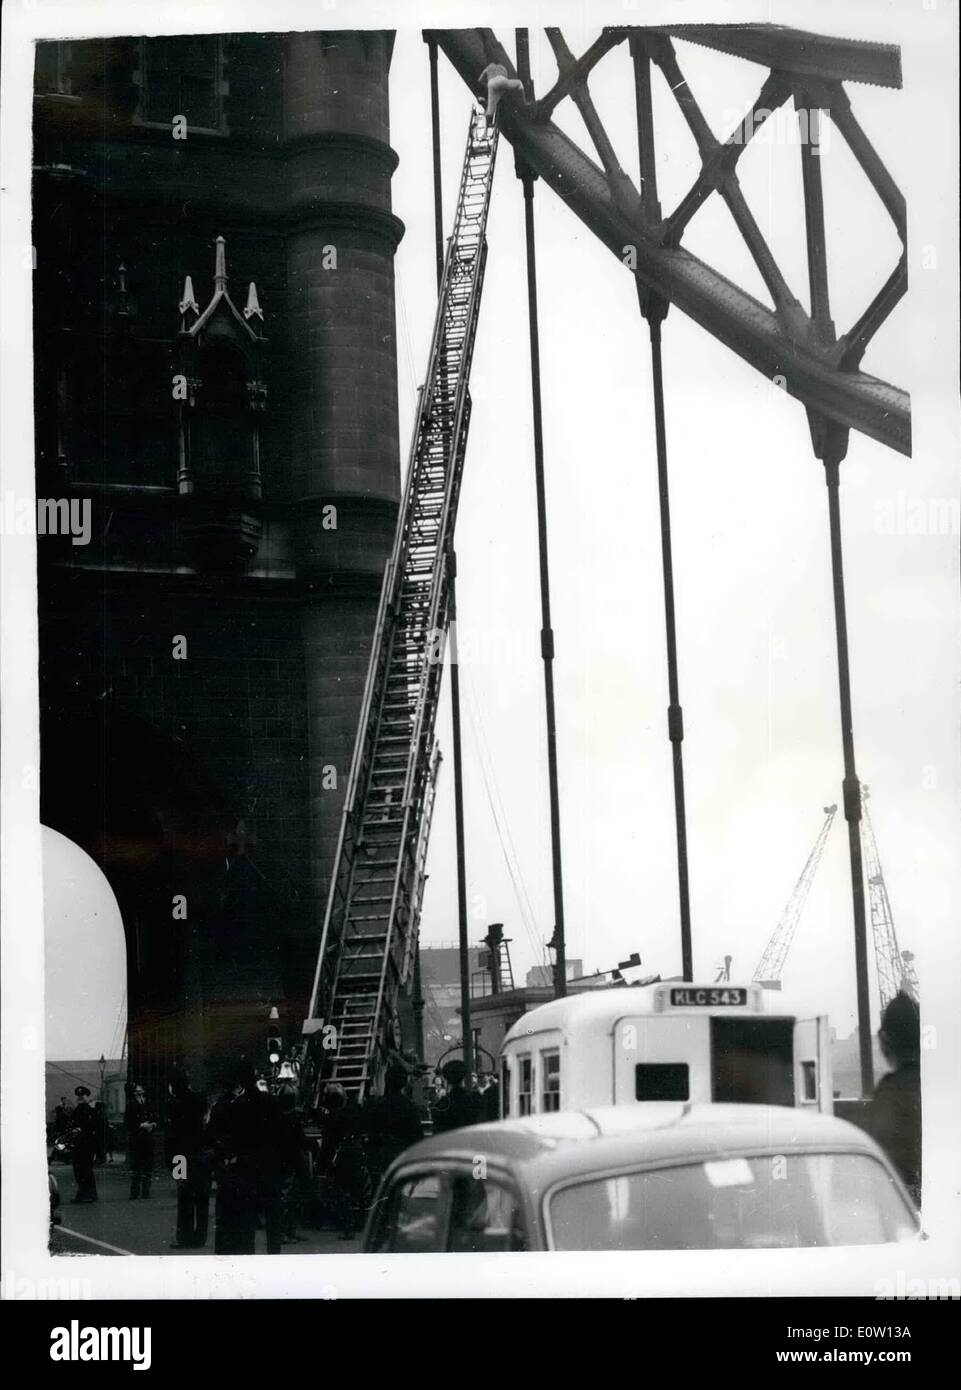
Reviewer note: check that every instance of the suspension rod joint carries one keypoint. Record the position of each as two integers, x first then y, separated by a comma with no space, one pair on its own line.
852,799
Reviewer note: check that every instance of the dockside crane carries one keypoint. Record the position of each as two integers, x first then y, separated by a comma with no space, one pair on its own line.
771,964
365,962
895,967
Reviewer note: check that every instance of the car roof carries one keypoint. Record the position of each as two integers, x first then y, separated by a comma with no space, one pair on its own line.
569,1142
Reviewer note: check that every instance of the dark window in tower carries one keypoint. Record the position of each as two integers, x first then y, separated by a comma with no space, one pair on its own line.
119,429
52,75
182,77
221,454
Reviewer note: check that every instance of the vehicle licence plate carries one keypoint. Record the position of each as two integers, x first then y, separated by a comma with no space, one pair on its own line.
708,998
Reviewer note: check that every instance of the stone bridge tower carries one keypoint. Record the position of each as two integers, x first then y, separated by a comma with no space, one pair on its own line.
216,375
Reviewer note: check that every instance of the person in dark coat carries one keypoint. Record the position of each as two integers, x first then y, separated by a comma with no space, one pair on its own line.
83,1135
140,1126
417,1086
244,1139
184,1145
392,1124
291,1176
343,1158
492,1100
460,1106
235,1211
100,1115
61,1117
53,1192
894,1115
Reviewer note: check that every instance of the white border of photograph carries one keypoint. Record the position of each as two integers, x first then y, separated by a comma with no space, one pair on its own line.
927,33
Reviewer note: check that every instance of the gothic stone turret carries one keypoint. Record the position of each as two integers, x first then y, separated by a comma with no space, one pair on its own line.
222,396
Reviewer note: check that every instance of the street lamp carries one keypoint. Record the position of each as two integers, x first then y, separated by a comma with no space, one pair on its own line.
103,1066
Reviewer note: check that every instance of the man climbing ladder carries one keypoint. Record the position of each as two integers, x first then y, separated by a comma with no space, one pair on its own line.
499,86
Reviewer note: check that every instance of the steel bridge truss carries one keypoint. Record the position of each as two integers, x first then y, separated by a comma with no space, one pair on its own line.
800,350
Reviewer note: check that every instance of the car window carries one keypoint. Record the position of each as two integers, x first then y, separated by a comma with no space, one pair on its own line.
760,1203
415,1218
484,1217
856,1213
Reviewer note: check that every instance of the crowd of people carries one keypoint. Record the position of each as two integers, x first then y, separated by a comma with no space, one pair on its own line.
253,1150
265,1165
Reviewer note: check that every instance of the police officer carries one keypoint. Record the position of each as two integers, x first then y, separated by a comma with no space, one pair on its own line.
894,1115
290,1179
100,1115
343,1157
61,1118
184,1142
460,1106
492,1099
140,1126
84,1141
392,1124
245,1139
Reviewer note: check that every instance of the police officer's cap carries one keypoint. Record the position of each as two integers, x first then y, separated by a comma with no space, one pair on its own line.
81,1091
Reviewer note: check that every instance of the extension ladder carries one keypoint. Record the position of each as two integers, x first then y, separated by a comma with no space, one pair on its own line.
365,963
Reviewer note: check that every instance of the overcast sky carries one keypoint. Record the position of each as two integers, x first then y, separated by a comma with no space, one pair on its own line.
752,565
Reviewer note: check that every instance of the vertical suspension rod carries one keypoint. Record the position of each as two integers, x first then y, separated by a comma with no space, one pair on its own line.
831,445
547,632
654,309
524,172
834,449
675,716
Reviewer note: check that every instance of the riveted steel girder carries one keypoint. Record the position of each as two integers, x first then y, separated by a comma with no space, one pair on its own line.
797,51
808,369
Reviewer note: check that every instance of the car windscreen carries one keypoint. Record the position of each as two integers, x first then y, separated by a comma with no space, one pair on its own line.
751,1203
